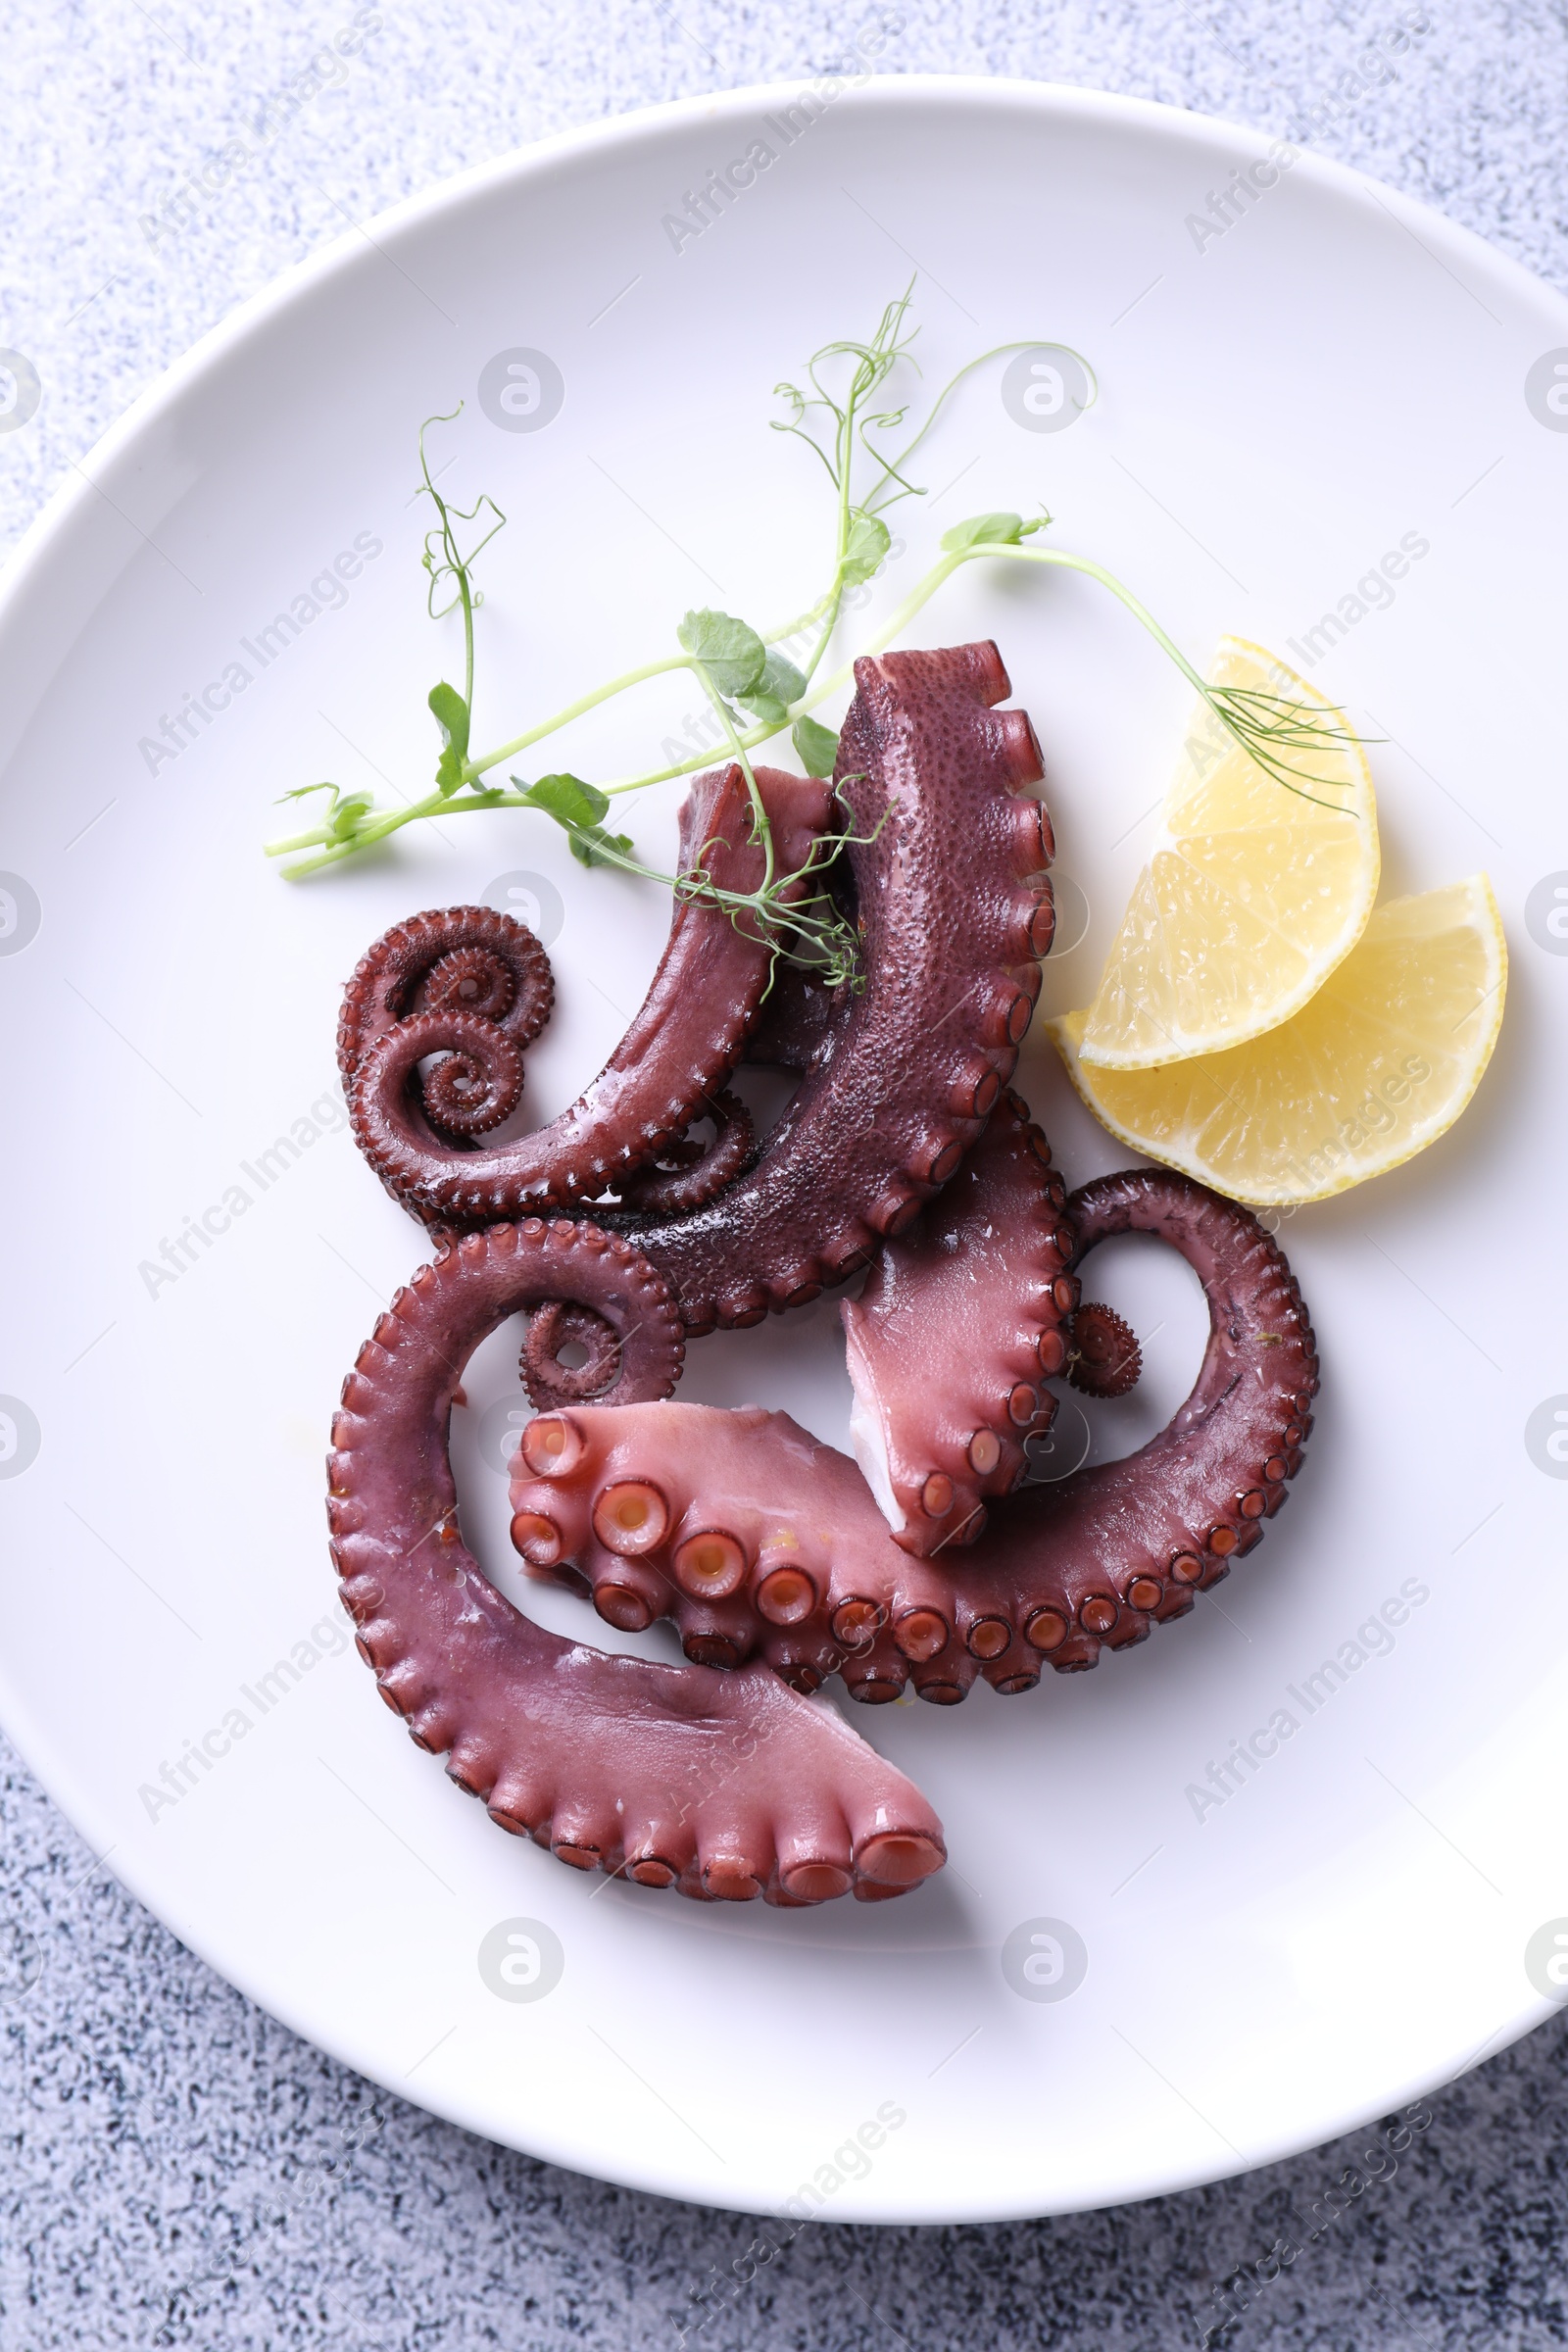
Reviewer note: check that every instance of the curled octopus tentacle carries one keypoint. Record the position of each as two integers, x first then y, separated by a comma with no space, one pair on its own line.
947,860
398,1012
763,1542
724,1786
979,1288
1103,1359
561,1324
454,960
686,1175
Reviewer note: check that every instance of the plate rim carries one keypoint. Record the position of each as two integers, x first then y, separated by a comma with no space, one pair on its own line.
301,278
42,540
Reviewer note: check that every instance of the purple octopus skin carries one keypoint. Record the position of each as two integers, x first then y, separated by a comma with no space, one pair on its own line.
978,1287
947,867
548,1379
796,1022
465,983
1105,1357
683,1175
469,959
724,1786
763,1542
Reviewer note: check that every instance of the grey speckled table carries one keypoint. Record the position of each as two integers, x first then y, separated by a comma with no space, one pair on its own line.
177,2167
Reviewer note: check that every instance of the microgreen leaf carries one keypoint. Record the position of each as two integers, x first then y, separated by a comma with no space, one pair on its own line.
451,714
834,413
345,811
868,542
818,746
732,654
779,685
997,530
579,809
781,678
595,847
569,800
344,821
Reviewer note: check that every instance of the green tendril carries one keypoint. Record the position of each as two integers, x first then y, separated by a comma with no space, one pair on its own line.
759,683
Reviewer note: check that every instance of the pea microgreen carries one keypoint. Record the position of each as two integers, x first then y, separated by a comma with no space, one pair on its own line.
758,682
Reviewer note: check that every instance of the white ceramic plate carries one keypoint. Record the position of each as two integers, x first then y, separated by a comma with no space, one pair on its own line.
1335,374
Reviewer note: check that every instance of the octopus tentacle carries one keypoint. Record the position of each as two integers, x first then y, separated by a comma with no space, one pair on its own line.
796,1021
681,1045
470,980
1131,1540
686,1175
562,1323
452,959
978,1288
724,1786
1103,1359
477,1081
765,1544
947,862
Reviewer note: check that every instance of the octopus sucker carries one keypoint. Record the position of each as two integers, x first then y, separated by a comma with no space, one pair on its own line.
945,867
725,1785
407,1004
1058,1572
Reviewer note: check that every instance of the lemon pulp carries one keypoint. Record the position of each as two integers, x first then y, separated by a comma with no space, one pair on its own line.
1380,1062
1256,892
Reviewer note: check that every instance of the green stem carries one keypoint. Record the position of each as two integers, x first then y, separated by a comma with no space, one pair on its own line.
763,732
872,365
834,599
827,603
896,469
1107,580
920,595
564,718
1255,740
801,620
941,572
742,743
390,821
826,610
295,841
1256,737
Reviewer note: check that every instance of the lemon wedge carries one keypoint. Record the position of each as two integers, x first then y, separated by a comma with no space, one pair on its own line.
1254,892
1377,1066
